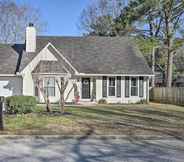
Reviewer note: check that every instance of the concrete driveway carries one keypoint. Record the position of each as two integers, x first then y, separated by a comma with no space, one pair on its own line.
86,149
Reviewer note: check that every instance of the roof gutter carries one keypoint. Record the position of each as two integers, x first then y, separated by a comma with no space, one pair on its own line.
84,74
10,75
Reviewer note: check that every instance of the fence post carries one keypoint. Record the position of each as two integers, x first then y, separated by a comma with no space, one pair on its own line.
1,113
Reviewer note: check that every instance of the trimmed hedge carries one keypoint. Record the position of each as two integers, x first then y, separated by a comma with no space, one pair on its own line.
20,104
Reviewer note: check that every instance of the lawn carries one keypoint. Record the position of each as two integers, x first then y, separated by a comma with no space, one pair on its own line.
152,119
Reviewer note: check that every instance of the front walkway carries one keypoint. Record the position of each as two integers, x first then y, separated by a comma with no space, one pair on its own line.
90,150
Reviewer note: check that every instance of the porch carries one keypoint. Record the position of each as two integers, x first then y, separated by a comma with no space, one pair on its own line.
91,89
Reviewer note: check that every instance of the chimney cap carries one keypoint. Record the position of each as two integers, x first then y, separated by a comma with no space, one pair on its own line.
31,24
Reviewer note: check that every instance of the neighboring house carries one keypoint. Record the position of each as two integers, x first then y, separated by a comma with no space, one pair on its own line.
110,68
179,65
159,76
179,81
178,73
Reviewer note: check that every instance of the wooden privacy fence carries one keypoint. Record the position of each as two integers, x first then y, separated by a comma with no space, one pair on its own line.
168,95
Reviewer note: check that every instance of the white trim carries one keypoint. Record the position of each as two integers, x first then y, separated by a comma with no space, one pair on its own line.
85,99
130,75
137,82
114,87
44,86
33,58
61,55
9,75
50,73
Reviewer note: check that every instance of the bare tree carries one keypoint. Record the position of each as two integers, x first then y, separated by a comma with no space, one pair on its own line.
62,86
98,17
14,19
39,85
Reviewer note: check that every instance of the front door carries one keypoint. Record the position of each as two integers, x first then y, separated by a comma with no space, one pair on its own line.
86,88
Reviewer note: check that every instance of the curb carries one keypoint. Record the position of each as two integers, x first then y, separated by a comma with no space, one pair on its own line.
81,137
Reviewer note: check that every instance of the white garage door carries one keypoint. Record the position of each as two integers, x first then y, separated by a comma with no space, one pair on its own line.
10,86
4,89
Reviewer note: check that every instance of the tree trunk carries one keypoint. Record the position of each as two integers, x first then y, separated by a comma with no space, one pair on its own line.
169,44
62,104
48,106
169,69
169,38
1,114
39,84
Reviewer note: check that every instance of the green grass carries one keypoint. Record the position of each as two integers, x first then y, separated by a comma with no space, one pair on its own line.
152,119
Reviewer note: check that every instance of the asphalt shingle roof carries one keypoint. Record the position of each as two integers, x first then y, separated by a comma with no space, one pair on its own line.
91,55
100,55
9,58
49,67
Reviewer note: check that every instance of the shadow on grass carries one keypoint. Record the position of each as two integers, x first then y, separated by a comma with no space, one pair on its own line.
143,120
123,119
95,113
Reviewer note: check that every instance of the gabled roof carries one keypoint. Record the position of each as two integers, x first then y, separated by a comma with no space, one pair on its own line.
100,55
90,55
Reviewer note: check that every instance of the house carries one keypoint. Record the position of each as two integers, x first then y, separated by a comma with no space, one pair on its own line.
110,68
179,65
159,76
179,81
178,69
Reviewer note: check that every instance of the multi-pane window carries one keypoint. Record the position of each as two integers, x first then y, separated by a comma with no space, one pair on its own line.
112,86
141,86
49,86
118,87
127,86
134,87
104,87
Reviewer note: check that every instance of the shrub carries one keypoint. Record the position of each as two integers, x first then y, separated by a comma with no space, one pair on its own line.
20,104
102,101
143,101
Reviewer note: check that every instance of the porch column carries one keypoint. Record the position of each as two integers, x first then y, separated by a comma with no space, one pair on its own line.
147,90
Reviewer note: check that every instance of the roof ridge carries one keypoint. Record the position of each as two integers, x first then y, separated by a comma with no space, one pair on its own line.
58,36
87,36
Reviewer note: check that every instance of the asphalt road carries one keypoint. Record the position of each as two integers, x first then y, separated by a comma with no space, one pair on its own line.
90,150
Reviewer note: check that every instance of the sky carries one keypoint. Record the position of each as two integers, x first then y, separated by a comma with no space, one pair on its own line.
61,16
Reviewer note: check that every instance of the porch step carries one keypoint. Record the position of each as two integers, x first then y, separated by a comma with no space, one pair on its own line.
87,103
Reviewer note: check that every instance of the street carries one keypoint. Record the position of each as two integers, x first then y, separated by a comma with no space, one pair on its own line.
87,149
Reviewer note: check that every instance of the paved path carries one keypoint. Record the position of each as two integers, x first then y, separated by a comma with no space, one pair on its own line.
90,150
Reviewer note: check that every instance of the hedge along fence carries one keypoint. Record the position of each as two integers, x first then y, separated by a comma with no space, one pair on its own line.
20,104
174,95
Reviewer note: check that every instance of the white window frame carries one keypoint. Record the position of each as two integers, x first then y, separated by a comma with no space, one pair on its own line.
129,88
45,86
111,86
139,87
137,82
